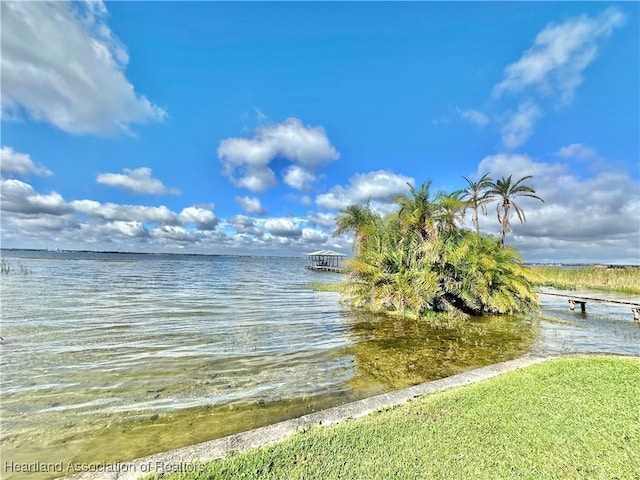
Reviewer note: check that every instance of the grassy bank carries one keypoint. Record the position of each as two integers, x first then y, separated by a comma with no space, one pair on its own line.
619,279
569,418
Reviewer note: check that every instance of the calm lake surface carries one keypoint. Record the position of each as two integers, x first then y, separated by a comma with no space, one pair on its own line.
109,357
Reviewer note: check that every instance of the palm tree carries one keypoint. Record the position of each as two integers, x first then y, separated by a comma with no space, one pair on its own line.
419,260
506,191
477,196
449,212
358,220
417,211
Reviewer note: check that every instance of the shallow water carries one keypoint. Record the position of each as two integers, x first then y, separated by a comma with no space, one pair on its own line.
109,357
602,328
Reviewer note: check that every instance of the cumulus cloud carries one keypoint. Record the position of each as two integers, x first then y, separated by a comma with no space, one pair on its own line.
45,218
125,213
40,220
519,127
282,227
62,64
201,216
20,197
582,216
174,233
246,161
327,220
560,54
379,186
16,163
137,180
244,225
298,178
39,224
577,151
251,205
127,229
314,237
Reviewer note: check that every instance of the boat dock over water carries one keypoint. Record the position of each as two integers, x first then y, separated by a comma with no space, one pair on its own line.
325,261
582,301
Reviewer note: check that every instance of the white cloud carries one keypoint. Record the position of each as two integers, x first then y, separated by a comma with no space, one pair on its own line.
12,162
298,178
174,233
327,220
62,64
251,205
475,116
313,236
282,227
560,54
137,180
577,151
379,186
127,229
552,67
244,225
20,197
203,217
519,127
41,225
40,219
246,161
126,213
582,217
257,180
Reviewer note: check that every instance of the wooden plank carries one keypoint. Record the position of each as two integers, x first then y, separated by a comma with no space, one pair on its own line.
576,299
635,307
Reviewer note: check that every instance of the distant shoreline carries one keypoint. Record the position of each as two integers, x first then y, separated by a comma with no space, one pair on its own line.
119,252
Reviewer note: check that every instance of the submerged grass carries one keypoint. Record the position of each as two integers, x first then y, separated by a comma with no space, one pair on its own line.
571,418
327,287
7,267
619,279
400,352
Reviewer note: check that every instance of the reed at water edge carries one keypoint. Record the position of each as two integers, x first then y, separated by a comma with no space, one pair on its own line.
613,278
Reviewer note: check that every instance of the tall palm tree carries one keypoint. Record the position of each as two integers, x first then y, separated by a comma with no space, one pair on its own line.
477,196
506,191
359,220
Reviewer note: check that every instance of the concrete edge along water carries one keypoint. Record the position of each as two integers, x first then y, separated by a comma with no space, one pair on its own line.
192,458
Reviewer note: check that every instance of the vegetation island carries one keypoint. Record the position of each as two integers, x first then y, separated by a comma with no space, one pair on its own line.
419,260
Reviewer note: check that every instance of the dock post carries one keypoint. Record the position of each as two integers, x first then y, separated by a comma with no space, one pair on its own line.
572,305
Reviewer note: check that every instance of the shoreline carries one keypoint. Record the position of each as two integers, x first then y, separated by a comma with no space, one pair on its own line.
187,459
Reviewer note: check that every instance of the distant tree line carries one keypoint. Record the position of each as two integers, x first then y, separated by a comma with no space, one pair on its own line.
421,260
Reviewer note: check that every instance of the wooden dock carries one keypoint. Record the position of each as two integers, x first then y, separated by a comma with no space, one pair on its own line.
325,261
582,301
325,268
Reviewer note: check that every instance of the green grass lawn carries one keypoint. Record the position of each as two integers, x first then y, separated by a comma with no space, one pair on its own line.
572,418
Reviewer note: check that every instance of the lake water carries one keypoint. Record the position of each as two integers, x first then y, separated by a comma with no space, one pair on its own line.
108,357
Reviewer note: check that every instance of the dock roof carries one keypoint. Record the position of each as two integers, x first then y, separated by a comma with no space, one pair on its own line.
326,253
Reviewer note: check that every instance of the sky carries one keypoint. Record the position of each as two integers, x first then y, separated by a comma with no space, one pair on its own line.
245,128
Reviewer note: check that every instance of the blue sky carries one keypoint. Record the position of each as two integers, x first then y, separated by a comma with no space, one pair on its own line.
244,128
